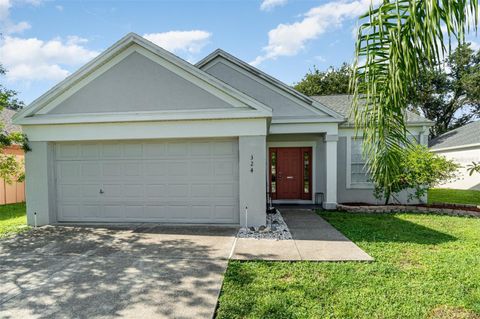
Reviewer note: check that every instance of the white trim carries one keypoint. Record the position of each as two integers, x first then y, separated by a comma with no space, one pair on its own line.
146,130
127,45
220,56
455,148
147,116
348,171
294,128
313,145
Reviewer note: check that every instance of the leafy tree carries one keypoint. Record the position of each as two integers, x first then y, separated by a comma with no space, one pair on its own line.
397,40
10,168
420,170
332,81
8,98
449,94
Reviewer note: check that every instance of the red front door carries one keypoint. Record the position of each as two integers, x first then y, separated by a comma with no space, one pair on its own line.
290,172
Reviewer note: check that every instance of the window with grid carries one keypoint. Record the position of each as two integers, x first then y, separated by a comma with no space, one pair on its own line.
359,174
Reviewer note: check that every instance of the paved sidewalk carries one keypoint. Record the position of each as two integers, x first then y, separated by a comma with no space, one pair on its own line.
313,239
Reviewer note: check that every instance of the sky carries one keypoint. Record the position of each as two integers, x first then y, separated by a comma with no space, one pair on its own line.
43,41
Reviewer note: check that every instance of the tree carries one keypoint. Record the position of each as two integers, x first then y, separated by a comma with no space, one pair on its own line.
420,170
10,168
396,41
473,168
8,98
449,94
332,81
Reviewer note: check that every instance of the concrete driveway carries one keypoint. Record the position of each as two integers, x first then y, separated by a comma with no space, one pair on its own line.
131,272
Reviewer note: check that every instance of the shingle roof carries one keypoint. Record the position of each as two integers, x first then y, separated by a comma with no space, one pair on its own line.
342,104
465,135
6,118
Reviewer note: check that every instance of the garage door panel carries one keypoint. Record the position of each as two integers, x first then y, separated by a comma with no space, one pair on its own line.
155,168
111,151
177,168
90,169
131,150
155,191
174,181
155,150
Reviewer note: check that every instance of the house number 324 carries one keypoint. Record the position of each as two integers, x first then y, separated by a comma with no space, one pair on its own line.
251,163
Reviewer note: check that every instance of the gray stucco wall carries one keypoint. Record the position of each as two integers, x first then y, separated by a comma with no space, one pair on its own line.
345,195
281,105
138,84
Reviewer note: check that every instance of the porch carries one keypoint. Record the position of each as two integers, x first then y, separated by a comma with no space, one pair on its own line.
302,169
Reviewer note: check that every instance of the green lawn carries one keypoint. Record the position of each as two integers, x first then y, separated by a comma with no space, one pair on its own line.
426,266
457,196
12,219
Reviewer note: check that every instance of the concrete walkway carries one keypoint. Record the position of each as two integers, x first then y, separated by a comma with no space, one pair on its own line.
313,239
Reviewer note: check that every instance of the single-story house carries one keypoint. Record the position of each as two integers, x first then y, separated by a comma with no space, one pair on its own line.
140,135
13,192
463,146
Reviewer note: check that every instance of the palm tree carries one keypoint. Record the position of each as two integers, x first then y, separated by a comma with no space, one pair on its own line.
397,40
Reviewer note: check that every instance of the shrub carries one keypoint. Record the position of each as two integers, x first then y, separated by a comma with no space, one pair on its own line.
419,171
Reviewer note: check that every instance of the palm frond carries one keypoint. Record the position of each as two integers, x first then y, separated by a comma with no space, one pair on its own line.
396,41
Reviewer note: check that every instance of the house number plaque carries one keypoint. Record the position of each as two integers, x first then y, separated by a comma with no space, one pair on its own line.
251,163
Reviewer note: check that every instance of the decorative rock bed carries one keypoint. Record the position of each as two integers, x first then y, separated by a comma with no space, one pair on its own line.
437,208
275,229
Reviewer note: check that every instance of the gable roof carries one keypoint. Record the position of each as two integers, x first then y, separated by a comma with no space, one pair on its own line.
123,44
218,53
342,103
467,135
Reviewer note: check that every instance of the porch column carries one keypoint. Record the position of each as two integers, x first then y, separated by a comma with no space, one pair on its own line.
253,180
39,184
330,201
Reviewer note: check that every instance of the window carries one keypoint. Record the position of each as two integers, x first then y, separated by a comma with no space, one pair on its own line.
306,172
273,173
358,172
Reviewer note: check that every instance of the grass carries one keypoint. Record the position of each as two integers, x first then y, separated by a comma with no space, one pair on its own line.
13,219
426,266
456,196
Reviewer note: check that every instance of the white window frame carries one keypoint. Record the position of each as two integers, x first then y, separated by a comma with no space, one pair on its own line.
349,183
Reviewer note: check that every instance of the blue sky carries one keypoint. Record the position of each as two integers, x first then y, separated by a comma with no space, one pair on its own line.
44,41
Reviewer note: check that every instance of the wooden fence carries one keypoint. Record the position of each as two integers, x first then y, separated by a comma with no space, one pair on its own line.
14,192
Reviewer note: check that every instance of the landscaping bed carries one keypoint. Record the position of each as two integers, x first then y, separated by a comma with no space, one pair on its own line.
437,208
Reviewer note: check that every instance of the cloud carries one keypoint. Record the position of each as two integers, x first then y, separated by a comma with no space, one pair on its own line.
7,26
475,45
59,7
32,59
268,5
290,39
180,41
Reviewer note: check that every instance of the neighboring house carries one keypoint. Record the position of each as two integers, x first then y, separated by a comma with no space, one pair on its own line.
15,191
140,135
463,146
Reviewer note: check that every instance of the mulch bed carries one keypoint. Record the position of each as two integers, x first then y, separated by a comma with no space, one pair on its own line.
471,208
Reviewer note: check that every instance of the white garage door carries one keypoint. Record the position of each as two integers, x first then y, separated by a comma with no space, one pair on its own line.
178,181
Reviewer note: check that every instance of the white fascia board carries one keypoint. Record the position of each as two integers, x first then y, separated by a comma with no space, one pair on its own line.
146,130
207,114
455,148
152,51
295,128
305,120
265,79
